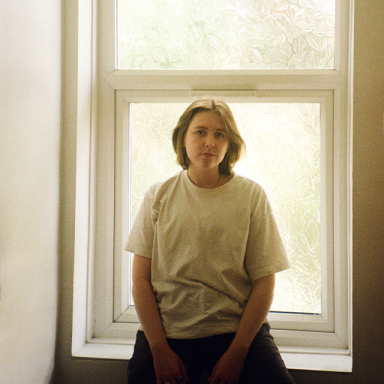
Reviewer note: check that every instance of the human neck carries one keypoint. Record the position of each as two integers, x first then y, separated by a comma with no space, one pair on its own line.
207,179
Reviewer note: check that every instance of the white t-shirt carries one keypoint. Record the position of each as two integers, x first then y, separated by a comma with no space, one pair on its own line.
207,247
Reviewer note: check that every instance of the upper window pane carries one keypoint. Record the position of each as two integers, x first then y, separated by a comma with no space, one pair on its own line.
225,34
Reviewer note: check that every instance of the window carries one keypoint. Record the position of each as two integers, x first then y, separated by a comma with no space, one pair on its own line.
282,65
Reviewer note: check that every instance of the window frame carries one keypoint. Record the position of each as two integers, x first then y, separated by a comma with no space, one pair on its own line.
95,331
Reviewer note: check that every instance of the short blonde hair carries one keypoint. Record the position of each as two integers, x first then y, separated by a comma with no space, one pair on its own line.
236,145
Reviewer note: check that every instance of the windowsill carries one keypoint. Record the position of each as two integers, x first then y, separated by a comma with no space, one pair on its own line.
332,360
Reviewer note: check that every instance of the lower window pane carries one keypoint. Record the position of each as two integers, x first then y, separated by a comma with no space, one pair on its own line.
283,156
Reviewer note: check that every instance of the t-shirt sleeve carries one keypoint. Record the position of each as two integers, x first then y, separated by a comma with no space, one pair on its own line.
265,252
140,239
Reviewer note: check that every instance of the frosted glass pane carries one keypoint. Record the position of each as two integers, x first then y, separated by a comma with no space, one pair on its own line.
283,155
226,34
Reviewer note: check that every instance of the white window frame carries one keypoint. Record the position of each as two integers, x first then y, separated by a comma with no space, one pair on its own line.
318,342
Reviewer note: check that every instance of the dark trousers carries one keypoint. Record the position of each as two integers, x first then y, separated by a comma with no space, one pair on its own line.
263,364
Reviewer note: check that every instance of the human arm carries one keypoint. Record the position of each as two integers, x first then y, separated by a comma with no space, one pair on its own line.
168,365
228,369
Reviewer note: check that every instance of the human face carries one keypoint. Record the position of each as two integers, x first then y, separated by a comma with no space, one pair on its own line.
206,141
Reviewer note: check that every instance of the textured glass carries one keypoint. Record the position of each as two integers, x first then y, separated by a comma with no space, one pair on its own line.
226,34
283,155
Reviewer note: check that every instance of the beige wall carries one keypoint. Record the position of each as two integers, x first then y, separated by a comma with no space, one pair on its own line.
30,124
368,221
29,191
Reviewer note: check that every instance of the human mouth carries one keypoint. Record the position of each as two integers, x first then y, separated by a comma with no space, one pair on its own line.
207,154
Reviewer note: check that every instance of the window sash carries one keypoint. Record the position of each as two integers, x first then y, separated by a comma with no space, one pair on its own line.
293,321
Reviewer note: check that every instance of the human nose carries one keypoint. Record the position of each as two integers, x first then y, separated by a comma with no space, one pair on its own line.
209,141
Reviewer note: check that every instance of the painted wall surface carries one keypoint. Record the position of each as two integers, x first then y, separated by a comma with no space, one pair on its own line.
368,225
30,124
29,206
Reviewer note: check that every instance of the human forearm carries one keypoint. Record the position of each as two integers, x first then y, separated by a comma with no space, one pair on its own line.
255,313
145,303
231,364
168,366
148,313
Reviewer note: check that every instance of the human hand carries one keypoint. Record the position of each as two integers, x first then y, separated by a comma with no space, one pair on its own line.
169,368
228,369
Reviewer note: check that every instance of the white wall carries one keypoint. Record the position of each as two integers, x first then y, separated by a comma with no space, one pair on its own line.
30,124
30,33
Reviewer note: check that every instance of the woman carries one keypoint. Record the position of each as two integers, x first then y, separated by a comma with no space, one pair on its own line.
206,250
